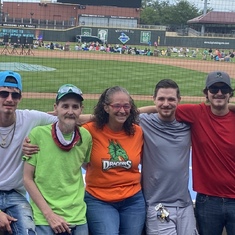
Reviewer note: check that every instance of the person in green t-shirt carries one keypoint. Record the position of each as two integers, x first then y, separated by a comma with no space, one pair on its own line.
205,54
53,176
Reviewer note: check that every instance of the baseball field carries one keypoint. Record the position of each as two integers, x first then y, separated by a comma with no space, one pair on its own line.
43,71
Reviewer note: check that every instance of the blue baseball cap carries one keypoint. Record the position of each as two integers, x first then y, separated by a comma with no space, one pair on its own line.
10,79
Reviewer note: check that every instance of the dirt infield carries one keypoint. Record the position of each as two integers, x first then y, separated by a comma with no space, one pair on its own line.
197,65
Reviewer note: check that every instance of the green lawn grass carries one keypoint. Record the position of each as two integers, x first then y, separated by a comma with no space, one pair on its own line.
93,76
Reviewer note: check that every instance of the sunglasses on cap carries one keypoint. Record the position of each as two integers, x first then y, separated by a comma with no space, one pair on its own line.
215,89
70,89
14,95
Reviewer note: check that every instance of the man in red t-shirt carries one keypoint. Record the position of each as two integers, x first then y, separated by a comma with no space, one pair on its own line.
213,148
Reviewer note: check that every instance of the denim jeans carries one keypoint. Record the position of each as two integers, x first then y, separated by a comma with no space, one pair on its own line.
78,230
17,206
126,217
215,213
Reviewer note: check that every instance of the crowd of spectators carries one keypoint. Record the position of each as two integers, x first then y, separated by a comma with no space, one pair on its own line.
206,54
221,55
51,45
125,49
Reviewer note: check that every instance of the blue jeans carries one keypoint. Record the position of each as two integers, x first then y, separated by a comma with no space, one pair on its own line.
126,217
215,213
78,230
17,206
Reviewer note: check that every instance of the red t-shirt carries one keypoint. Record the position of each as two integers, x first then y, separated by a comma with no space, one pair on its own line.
113,173
213,149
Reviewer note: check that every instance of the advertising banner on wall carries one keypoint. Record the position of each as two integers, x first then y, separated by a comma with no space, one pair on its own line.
103,34
86,31
145,37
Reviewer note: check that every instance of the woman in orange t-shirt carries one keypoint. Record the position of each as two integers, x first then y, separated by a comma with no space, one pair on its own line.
115,203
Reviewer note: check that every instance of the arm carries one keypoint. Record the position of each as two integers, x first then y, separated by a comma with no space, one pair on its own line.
28,148
57,223
5,222
147,109
83,118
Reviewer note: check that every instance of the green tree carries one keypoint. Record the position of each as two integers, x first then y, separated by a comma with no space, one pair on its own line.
146,3
184,11
149,16
164,13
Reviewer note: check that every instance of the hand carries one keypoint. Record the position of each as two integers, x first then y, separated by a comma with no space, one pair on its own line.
5,222
29,149
52,113
57,223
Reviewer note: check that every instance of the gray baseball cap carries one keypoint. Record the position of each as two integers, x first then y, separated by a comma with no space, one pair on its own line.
218,76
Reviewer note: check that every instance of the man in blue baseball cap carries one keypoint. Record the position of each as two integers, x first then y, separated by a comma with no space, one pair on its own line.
15,211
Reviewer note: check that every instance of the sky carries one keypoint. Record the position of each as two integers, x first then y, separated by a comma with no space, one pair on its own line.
217,5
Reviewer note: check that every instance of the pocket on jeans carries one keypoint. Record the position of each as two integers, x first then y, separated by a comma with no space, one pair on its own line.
201,198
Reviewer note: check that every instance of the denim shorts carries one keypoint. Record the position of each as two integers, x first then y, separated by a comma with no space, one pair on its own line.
17,206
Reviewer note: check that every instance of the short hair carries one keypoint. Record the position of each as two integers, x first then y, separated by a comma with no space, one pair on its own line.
166,83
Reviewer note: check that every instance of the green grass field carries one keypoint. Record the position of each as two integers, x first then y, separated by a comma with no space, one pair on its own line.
93,76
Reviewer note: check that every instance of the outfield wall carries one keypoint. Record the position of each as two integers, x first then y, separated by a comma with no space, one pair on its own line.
119,35
110,35
201,42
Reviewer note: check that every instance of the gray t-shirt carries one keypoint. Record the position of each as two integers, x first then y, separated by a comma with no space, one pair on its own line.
165,164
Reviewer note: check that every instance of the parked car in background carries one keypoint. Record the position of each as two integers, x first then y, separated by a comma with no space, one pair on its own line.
88,39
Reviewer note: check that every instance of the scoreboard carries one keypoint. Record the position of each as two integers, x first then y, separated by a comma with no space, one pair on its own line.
118,3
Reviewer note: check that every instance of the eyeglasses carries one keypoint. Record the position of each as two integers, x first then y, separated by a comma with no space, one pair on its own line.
14,95
117,107
215,89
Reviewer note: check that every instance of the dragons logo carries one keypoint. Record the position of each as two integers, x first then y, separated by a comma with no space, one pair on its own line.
118,157
116,152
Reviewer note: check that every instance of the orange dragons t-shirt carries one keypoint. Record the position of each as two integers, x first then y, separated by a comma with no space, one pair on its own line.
113,173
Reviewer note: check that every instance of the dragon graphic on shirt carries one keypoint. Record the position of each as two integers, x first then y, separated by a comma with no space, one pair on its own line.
118,157
116,152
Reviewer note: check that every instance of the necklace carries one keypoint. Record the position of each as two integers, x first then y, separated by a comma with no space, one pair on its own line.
3,143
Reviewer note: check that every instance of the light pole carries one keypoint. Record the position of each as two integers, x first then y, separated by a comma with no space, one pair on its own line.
31,17
204,13
1,10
